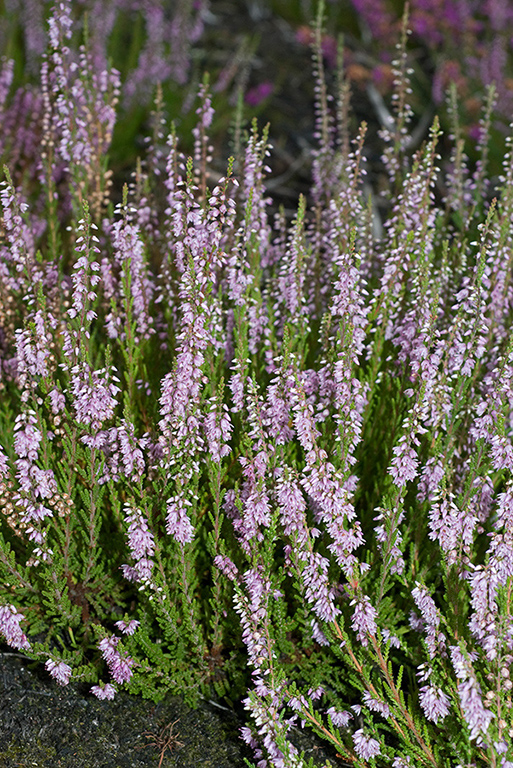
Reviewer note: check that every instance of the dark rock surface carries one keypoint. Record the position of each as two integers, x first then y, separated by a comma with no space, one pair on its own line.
44,725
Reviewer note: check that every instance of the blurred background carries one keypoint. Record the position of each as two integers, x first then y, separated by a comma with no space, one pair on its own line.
258,56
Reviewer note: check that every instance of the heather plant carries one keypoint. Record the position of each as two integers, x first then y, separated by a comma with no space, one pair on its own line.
268,459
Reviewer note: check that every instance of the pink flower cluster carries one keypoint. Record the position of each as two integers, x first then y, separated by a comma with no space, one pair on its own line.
119,664
10,620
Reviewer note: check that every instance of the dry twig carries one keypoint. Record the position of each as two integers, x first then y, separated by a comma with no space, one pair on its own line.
165,740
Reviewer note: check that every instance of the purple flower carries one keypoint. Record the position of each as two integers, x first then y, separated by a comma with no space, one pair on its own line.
389,638
59,671
83,111
425,602
475,713
19,236
226,566
218,427
141,543
108,647
120,666
128,628
375,705
32,351
140,538
483,590
254,195
462,663
317,633
44,484
276,411
365,746
501,747
339,719
254,96
318,592
129,252
434,702
290,294
178,524
452,526
435,640
123,453
430,479
130,449
10,628
304,423
82,280
104,691
364,619
271,729
6,78
27,439
141,571
253,610
180,391
292,508
236,385
404,464
297,703
316,693
257,512
4,464
60,24
345,540
94,397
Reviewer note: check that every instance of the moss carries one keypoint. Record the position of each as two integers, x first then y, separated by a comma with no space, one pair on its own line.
34,753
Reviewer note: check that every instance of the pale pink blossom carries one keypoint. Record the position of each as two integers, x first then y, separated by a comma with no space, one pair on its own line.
59,671
364,745
104,691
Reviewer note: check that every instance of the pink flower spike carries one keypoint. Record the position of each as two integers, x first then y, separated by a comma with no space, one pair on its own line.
121,669
10,628
365,746
434,702
108,647
104,691
339,719
59,671
178,524
364,619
